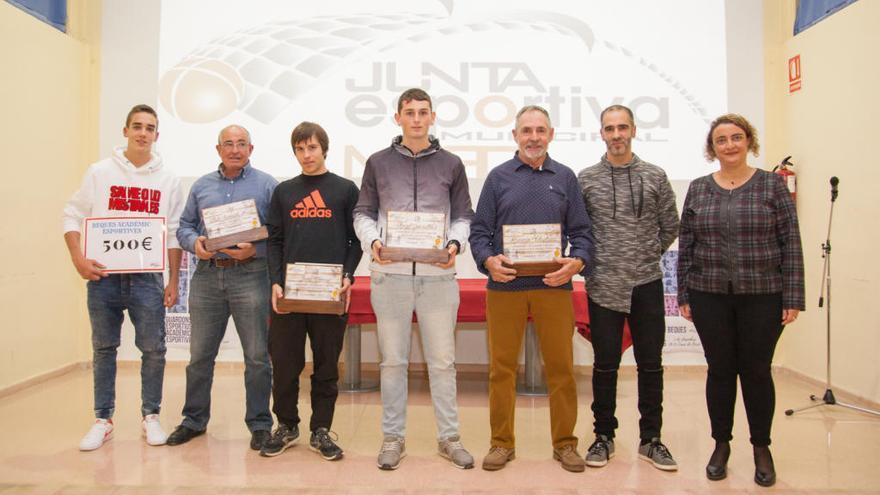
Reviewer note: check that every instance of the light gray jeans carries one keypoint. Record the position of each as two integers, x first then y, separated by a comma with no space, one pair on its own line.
435,300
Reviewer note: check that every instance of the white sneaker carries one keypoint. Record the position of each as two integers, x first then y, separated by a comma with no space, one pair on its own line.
99,433
153,431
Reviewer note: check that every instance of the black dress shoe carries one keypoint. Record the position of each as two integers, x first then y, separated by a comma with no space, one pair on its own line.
258,438
717,467
765,472
182,434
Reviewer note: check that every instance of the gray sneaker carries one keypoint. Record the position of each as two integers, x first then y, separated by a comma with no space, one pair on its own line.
600,452
657,454
393,450
452,449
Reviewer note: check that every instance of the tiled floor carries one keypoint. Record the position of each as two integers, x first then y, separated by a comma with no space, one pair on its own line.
826,450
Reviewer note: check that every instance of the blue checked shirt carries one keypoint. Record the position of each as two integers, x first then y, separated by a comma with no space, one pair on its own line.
514,193
214,189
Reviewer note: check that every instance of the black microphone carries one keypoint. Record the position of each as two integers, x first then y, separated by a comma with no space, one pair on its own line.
834,182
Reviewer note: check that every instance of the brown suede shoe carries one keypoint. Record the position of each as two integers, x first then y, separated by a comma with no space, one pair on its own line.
570,459
497,458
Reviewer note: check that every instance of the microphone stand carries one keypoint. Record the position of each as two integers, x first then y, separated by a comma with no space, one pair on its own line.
828,398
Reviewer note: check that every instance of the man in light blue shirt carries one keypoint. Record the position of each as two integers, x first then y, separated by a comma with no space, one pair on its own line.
233,281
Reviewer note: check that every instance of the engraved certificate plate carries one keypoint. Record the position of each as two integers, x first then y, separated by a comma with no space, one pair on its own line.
232,223
313,288
415,236
532,247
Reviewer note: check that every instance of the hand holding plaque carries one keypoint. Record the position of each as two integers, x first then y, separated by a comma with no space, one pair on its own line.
313,288
532,248
415,236
233,223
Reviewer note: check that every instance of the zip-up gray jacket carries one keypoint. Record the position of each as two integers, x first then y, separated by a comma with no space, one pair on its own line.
434,180
635,220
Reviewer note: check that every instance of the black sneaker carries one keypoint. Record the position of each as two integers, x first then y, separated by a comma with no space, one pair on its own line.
283,438
322,443
258,438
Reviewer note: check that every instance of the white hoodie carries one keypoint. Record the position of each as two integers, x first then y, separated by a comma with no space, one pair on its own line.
114,187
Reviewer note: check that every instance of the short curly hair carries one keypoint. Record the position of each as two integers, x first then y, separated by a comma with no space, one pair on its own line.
739,121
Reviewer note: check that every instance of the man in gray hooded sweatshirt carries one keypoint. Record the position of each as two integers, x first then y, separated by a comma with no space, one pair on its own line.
635,220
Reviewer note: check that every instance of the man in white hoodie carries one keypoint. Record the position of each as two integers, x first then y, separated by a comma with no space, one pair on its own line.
130,183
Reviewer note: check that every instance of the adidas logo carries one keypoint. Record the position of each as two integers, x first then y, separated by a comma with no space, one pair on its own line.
312,206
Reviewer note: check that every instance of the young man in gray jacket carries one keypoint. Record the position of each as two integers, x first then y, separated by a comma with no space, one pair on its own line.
415,174
635,220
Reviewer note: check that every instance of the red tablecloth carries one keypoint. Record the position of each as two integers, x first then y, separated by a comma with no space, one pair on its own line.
472,308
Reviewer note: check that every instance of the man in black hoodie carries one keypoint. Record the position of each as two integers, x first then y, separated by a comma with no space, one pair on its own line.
310,221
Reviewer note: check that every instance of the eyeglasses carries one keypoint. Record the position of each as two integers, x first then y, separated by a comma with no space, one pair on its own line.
736,139
229,145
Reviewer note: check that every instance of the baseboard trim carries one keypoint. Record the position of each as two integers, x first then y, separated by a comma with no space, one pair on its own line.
819,386
466,368
41,378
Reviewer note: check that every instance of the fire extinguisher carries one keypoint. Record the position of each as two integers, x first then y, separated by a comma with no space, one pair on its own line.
786,170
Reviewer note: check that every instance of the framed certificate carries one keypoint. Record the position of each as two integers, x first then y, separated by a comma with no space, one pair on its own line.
415,236
126,244
532,247
232,223
313,288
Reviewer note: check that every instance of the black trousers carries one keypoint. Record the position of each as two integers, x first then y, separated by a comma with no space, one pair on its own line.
739,335
287,343
648,328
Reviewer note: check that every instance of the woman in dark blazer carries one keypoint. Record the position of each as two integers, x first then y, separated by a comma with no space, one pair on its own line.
740,280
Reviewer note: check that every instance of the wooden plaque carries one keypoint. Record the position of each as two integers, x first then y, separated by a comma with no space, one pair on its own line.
315,307
534,268
225,241
418,255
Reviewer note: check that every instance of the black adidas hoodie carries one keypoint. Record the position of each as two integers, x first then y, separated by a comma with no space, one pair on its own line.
310,221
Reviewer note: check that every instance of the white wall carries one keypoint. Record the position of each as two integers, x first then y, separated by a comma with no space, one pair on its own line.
829,128
49,98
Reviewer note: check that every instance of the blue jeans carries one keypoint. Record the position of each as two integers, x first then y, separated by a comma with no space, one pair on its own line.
142,294
215,294
435,300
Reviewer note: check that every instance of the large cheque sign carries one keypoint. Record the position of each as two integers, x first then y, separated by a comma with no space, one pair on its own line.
126,244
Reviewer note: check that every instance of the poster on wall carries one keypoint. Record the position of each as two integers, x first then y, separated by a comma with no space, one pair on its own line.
177,327
681,336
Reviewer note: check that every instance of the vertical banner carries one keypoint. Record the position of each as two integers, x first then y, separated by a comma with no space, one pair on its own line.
177,322
681,336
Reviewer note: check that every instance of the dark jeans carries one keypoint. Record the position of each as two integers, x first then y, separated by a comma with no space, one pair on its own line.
142,294
739,335
287,342
217,293
647,325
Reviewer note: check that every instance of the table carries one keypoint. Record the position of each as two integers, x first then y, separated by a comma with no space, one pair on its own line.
471,309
